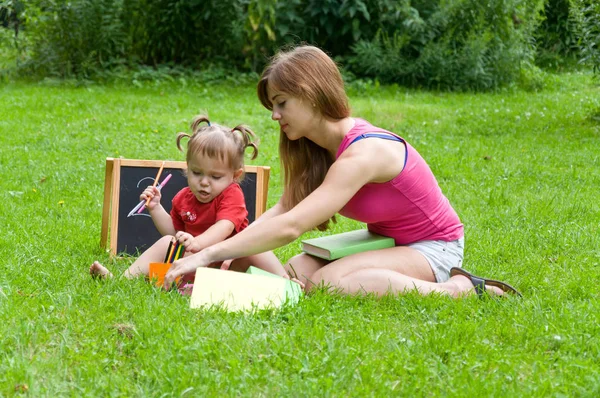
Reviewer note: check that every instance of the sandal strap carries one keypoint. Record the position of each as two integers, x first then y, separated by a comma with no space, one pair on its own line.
479,285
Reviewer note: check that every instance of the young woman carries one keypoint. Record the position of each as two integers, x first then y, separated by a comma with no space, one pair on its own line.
211,208
334,163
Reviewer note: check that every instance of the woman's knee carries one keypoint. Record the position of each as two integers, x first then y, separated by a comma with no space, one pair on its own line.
303,266
325,277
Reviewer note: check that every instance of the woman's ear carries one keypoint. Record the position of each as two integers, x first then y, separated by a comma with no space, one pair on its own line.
238,174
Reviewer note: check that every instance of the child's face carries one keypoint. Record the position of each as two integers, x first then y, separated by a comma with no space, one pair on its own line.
208,177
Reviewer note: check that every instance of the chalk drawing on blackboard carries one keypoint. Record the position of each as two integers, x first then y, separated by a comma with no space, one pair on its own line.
138,209
134,211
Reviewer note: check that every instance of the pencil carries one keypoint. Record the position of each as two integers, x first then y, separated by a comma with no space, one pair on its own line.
156,179
173,252
141,206
169,251
180,251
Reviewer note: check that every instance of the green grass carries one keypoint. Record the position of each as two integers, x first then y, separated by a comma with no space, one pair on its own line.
521,168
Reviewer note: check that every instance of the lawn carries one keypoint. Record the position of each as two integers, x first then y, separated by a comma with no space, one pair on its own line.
521,168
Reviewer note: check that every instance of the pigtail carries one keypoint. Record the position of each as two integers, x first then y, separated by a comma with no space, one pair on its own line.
197,120
181,136
195,126
249,139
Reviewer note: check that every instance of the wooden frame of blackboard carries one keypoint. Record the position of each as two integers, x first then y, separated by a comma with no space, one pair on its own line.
258,175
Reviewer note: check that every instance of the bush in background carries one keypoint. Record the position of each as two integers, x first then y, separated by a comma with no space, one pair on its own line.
185,32
590,33
460,44
74,38
10,37
450,44
557,37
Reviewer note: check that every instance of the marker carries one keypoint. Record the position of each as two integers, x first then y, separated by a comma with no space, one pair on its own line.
141,206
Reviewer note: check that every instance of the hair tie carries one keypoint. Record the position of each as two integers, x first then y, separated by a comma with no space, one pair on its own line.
208,121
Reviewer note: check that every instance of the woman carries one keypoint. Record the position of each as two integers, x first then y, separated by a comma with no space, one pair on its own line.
335,163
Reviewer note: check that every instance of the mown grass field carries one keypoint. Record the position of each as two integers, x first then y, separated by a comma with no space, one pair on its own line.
522,169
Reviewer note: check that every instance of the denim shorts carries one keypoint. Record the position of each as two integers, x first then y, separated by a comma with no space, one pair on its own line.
441,255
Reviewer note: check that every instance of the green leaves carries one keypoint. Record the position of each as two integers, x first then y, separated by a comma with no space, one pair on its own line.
456,45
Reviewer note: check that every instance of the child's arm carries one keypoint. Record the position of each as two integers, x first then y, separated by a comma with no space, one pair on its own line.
162,220
218,232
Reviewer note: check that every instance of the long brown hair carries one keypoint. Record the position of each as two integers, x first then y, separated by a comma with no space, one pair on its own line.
305,72
219,142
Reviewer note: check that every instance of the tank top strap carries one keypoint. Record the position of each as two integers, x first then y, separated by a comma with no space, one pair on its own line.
385,136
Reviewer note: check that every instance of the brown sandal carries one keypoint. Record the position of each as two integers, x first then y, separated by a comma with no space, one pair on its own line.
480,283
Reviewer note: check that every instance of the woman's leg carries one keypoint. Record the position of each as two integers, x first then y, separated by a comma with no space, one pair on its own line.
303,267
395,270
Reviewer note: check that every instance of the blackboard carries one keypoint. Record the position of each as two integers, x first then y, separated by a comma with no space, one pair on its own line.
125,179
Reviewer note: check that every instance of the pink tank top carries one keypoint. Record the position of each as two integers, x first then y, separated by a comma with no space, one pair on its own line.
409,208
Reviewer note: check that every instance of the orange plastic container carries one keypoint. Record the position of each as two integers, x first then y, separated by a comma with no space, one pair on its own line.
158,271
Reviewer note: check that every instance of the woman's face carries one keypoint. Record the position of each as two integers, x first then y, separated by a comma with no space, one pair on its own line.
297,118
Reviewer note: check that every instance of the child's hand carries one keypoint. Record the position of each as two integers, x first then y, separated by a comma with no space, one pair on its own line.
293,279
154,194
188,241
298,281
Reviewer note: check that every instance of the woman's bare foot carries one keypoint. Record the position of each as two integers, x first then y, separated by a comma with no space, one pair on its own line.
97,270
464,287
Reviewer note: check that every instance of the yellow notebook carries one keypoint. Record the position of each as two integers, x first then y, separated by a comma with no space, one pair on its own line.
238,291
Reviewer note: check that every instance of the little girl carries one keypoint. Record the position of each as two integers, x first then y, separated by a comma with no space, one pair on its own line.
212,208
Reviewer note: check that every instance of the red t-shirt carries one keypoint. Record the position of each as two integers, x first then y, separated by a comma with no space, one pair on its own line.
191,216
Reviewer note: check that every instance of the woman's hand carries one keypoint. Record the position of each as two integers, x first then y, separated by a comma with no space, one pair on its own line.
188,241
154,194
226,264
181,267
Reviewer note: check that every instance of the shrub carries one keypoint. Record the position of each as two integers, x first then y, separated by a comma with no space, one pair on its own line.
590,34
557,37
10,29
185,32
456,44
81,38
260,32
74,38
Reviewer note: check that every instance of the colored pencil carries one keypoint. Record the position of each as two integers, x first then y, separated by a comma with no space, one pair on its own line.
180,251
173,252
142,205
156,179
169,250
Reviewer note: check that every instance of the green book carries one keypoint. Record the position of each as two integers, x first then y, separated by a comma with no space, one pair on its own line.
293,292
336,246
